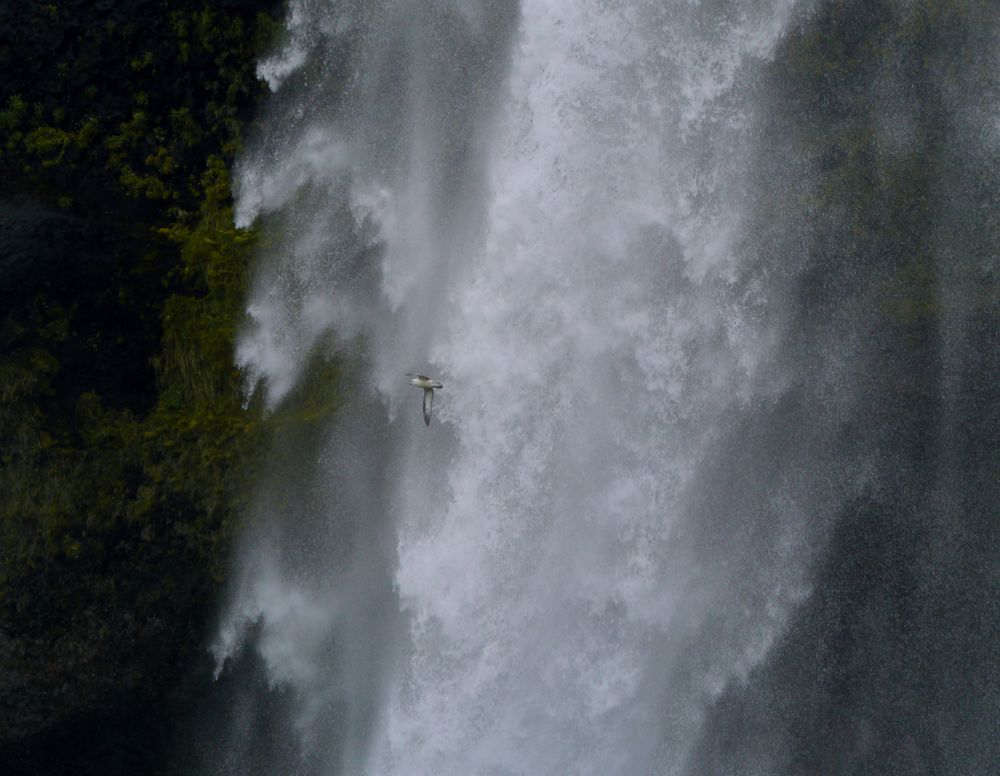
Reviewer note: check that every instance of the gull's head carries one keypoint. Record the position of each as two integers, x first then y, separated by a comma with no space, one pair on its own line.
423,381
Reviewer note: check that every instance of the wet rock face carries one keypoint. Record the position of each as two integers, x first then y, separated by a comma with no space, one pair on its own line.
891,664
23,710
44,249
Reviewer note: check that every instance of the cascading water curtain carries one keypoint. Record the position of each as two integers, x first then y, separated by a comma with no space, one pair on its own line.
568,212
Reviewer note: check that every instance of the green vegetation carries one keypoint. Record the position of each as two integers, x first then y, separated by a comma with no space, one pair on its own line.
126,451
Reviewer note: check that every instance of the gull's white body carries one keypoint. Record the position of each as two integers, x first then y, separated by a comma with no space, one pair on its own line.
423,381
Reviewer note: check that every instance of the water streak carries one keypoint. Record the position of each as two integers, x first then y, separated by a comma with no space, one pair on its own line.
545,206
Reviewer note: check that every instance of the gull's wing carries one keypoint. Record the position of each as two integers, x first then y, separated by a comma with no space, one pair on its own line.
419,377
428,404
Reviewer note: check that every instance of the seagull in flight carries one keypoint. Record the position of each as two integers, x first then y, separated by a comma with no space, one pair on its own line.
423,381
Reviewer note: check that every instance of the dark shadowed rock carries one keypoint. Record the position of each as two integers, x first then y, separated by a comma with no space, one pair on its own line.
43,249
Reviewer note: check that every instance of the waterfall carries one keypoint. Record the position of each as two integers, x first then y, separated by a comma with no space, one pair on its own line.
585,220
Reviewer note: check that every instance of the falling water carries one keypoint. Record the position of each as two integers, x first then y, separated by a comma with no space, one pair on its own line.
566,213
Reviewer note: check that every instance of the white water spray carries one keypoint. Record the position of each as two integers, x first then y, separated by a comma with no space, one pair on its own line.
544,205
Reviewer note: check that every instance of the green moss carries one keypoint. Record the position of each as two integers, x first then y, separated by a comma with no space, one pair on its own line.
117,514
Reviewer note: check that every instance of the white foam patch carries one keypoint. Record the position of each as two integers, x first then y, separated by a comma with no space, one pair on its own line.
317,157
